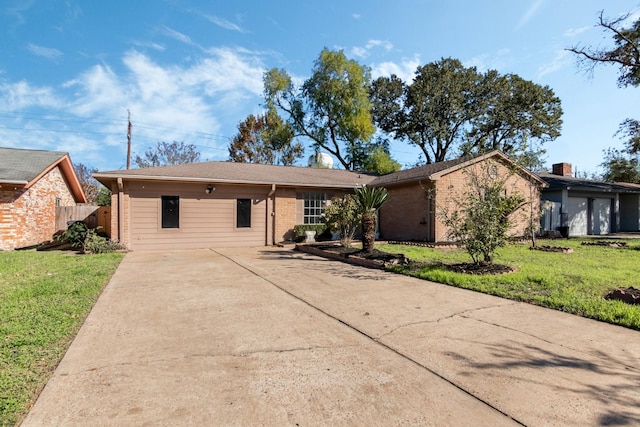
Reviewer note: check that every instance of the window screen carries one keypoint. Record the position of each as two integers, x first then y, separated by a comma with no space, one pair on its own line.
170,212
243,213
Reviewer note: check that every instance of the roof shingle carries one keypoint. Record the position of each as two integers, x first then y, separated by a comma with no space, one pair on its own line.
20,166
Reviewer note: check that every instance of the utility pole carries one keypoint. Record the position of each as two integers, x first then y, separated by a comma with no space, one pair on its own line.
129,140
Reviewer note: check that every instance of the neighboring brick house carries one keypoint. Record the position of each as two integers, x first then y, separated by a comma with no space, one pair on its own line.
225,204
418,196
32,184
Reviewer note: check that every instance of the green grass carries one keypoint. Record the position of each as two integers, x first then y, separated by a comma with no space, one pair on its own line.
44,299
571,282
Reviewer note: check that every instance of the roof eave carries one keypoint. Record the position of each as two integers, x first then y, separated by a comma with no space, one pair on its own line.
107,178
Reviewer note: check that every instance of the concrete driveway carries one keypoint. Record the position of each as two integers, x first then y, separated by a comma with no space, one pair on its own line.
269,336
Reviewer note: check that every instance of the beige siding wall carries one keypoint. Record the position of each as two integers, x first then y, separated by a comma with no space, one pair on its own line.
450,191
406,213
27,216
206,220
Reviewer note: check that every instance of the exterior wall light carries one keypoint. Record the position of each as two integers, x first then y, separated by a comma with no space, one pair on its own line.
209,189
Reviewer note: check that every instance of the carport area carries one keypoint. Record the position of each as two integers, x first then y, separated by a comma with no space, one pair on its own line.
269,336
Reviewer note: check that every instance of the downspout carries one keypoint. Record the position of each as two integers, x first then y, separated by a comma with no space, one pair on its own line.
120,211
270,225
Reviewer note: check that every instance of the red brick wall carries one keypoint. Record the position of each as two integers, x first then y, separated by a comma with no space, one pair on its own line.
27,216
405,215
451,188
285,214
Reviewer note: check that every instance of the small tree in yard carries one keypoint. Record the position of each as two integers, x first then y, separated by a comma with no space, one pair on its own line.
369,200
480,222
341,214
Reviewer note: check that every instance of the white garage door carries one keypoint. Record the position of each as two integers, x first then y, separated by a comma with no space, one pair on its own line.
601,216
577,210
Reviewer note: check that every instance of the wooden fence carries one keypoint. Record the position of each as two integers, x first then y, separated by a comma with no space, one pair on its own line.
93,216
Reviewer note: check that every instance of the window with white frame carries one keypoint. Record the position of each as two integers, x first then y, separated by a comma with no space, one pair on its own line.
314,203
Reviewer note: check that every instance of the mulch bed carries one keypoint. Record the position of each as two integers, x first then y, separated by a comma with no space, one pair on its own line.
552,249
629,295
481,268
379,259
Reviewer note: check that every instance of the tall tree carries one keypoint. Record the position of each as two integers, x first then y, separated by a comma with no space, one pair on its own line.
331,108
90,186
379,161
619,165
167,154
432,111
451,109
518,118
625,53
265,139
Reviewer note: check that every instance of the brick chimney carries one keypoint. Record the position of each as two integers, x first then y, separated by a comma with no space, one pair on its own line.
562,169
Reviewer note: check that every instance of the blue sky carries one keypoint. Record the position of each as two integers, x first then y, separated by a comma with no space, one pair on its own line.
191,70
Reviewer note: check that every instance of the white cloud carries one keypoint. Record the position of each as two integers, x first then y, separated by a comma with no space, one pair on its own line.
223,23
45,52
560,60
491,61
356,16
363,52
21,95
176,35
573,32
167,102
530,13
150,45
405,70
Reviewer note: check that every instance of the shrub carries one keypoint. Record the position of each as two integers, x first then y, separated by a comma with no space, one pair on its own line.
480,219
96,244
341,215
75,234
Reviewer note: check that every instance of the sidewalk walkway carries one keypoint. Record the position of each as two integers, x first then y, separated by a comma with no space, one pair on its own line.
273,337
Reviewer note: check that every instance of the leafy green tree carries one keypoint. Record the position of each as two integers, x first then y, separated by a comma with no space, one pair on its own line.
620,166
104,197
331,108
380,162
431,112
479,219
449,108
369,200
519,117
341,214
166,154
265,139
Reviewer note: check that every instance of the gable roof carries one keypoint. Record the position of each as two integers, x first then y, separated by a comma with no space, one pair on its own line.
242,173
435,171
20,167
558,182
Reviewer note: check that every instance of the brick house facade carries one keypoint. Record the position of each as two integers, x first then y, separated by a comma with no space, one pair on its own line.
32,184
225,204
418,197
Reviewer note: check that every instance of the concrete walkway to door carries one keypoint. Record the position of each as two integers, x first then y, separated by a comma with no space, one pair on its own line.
268,336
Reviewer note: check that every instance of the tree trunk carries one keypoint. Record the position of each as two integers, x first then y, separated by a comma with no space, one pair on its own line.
368,231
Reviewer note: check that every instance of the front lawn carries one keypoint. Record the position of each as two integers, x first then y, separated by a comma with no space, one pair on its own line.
572,282
44,299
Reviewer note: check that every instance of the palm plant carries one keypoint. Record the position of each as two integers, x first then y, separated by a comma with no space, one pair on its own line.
369,200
